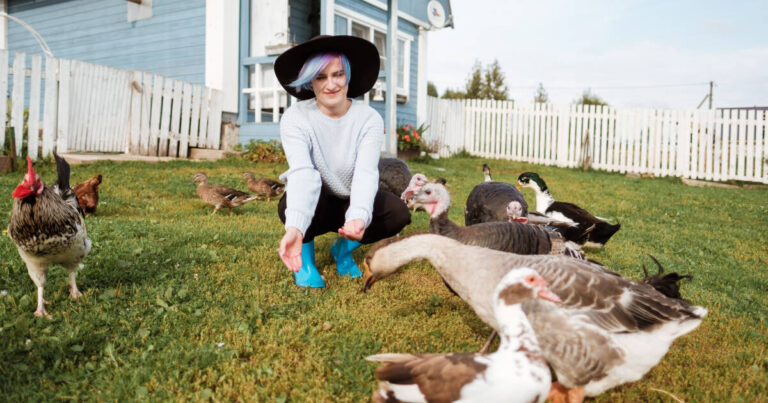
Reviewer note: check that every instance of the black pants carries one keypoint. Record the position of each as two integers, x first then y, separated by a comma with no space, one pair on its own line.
390,215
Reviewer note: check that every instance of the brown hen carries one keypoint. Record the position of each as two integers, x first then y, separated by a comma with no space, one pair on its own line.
88,194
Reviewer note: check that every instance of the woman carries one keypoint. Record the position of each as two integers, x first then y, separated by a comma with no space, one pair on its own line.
332,144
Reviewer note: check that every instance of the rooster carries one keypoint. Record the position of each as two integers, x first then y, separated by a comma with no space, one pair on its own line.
88,194
48,228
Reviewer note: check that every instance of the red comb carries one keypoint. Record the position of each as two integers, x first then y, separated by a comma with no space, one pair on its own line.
30,169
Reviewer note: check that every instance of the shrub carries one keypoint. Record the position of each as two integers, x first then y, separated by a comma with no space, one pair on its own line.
409,137
264,151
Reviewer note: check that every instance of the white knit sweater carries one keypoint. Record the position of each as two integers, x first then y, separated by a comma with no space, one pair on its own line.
343,154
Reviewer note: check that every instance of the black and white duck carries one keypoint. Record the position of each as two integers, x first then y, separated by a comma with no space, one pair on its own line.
506,236
488,201
608,330
516,372
567,212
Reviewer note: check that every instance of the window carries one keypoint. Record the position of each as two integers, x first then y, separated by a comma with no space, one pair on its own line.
267,100
340,25
375,31
380,40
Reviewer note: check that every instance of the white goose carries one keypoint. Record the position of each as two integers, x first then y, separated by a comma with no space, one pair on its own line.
516,372
609,330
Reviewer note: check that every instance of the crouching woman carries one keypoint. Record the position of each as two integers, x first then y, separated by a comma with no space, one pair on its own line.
332,144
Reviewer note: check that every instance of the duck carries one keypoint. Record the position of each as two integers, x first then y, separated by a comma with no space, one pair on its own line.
567,212
506,236
220,196
264,187
516,372
394,175
487,202
608,330
577,235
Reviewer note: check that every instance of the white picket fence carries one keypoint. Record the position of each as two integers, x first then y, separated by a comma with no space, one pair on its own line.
700,144
94,108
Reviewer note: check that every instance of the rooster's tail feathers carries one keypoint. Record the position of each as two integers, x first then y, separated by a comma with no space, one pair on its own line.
62,169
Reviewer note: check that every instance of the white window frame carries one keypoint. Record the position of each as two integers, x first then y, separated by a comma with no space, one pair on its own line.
403,88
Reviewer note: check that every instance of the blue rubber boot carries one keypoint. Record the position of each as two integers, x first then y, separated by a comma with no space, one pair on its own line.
308,276
342,253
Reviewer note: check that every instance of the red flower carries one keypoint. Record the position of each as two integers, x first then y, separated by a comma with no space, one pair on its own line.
416,134
407,138
410,127
405,127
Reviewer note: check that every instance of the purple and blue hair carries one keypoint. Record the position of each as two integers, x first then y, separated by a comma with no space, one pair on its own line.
316,64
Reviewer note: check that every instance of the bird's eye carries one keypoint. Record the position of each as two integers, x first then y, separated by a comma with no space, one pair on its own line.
530,279
429,192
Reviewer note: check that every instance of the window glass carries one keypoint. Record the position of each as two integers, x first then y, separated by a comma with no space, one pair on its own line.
340,25
380,40
400,64
360,31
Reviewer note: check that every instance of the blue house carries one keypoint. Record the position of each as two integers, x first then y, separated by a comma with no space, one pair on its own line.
231,45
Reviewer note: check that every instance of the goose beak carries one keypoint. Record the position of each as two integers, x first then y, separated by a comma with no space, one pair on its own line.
519,187
368,276
545,293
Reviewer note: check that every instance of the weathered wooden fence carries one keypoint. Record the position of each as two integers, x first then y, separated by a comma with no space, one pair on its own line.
703,144
89,107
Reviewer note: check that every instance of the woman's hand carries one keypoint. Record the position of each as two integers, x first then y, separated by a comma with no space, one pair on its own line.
353,229
290,248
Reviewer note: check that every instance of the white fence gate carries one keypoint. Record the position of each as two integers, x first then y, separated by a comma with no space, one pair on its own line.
89,107
704,144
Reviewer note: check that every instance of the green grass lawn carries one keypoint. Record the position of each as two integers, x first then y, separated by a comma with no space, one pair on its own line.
181,305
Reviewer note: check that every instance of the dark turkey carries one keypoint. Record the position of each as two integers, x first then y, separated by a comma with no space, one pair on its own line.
394,175
488,201
514,237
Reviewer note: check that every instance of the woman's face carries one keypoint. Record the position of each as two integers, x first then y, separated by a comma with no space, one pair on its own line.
330,86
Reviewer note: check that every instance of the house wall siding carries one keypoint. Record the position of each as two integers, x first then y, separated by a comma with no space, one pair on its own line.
170,43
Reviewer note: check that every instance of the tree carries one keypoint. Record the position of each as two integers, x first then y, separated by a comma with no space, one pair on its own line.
474,88
453,94
493,85
482,83
541,95
431,89
588,98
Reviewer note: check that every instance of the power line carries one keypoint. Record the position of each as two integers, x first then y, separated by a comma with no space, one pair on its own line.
625,87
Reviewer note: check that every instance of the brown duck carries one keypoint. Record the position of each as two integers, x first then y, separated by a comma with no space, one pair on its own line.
220,196
263,187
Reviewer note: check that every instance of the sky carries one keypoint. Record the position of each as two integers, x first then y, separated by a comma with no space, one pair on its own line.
631,53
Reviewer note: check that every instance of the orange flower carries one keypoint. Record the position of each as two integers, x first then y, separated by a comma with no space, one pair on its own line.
405,127
416,134
407,138
410,127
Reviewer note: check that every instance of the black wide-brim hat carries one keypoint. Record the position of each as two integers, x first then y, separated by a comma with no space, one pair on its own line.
363,62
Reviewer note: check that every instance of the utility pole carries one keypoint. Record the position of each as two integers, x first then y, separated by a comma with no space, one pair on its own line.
708,96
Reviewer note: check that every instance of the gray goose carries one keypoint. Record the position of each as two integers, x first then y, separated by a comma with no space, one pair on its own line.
516,372
609,330
567,212
394,175
505,236
488,201
220,196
